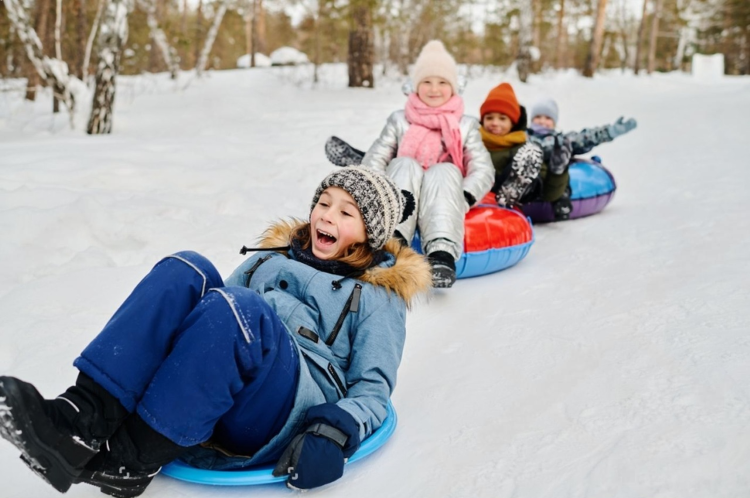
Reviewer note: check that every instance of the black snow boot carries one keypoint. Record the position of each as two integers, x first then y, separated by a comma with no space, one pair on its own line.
131,458
562,207
58,437
443,269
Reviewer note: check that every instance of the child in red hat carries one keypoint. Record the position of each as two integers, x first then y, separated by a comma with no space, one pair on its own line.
517,162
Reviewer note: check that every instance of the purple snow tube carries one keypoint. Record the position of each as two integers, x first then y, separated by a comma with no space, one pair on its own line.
592,186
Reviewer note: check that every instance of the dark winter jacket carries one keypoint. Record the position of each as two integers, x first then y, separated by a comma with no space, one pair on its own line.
558,151
502,158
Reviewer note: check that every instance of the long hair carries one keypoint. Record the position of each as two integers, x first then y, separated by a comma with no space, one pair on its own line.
358,255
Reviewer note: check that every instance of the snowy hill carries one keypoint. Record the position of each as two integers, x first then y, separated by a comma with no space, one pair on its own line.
608,363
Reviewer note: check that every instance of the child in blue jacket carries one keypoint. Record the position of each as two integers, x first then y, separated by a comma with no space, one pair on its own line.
559,147
291,360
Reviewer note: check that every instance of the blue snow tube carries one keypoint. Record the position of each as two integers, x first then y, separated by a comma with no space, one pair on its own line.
592,187
264,474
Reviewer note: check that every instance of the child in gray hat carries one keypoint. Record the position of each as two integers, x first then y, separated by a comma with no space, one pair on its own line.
560,146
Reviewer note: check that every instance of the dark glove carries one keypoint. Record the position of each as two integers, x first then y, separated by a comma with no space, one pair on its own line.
316,456
560,156
470,200
620,127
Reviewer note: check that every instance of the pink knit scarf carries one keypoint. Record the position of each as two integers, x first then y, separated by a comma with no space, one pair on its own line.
429,128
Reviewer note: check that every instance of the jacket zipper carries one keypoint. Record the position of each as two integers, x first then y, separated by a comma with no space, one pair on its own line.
352,305
336,379
252,269
332,373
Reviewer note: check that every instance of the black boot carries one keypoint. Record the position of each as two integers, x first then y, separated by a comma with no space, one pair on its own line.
562,207
443,269
58,437
130,459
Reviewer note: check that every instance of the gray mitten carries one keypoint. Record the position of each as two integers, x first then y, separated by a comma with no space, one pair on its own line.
621,126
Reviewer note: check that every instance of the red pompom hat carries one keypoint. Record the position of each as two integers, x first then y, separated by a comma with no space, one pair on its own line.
502,99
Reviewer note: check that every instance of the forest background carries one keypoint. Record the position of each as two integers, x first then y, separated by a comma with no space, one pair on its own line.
53,42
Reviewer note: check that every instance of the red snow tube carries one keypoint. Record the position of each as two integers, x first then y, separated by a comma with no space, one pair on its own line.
495,238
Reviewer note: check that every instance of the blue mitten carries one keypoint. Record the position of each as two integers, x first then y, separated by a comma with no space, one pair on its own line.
316,456
620,127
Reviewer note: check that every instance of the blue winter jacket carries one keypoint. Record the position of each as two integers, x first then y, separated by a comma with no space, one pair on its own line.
350,335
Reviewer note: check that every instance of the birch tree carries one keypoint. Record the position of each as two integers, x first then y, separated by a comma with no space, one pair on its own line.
200,66
90,41
168,53
51,70
112,37
58,47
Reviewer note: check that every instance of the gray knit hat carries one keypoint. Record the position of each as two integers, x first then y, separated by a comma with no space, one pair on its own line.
545,107
382,204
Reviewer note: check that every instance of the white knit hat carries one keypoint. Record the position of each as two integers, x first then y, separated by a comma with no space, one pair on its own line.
434,60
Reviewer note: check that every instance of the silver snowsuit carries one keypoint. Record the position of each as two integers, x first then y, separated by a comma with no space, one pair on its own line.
438,190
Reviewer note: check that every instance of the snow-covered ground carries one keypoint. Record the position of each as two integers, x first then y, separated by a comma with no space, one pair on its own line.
608,363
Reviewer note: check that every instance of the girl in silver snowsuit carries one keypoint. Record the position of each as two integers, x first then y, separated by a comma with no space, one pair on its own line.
435,152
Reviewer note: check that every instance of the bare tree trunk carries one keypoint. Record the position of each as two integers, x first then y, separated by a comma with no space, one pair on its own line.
53,71
198,29
112,38
200,66
523,58
168,53
260,38
639,42
559,44
90,42
623,34
40,26
316,42
654,37
253,32
248,18
360,58
595,48
183,21
80,17
681,44
58,48
536,32
58,23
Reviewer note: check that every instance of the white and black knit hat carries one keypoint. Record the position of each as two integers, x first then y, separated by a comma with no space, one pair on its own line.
382,204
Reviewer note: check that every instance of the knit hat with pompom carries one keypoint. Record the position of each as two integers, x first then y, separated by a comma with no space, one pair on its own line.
382,204
434,60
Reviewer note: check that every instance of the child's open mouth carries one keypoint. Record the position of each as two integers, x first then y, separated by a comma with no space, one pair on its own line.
325,238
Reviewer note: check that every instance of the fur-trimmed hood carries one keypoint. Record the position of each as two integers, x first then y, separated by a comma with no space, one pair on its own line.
407,278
